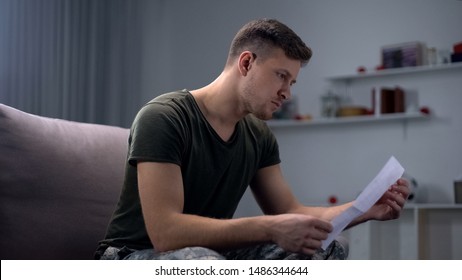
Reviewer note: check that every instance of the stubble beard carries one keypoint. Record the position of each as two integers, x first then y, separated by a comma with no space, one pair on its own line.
251,104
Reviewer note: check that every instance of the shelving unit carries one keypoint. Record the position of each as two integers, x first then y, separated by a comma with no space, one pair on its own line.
424,231
348,79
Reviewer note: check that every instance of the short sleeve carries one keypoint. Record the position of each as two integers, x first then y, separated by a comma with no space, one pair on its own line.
267,145
156,135
270,151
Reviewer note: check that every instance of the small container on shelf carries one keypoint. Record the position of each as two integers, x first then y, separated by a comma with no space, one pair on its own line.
329,105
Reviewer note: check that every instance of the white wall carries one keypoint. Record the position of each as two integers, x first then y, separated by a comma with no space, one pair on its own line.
190,48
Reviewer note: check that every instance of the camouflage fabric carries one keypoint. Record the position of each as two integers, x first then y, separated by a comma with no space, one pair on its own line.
335,251
188,253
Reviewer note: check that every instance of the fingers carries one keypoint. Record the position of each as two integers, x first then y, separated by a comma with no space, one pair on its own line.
401,188
317,230
311,246
396,198
313,239
301,233
322,225
402,182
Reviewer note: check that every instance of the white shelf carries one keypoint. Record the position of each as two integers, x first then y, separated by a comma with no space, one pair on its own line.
398,71
346,120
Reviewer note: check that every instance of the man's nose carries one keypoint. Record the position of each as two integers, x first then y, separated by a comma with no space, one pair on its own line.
285,93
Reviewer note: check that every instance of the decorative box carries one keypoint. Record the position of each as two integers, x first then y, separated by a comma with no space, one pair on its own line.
402,55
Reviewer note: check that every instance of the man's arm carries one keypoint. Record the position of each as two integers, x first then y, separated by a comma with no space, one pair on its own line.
275,197
161,195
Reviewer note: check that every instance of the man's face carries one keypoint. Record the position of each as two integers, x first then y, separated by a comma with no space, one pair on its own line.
268,84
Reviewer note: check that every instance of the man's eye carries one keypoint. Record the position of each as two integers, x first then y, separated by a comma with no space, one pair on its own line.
281,76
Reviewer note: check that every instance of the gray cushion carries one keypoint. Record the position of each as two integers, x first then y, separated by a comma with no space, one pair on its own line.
59,184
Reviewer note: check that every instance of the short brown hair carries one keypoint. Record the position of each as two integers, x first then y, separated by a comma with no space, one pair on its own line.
263,35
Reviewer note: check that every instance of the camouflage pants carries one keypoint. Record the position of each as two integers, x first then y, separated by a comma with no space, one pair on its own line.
336,251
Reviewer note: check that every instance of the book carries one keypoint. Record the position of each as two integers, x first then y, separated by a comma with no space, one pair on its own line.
389,100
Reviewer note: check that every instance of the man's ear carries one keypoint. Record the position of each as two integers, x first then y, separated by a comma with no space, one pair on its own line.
245,62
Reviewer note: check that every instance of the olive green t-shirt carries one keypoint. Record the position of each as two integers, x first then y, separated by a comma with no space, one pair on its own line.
172,129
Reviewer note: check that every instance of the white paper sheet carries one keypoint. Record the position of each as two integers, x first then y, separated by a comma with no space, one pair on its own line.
389,174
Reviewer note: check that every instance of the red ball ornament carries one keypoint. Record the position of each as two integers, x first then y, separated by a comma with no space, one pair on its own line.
425,110
332,199
361,69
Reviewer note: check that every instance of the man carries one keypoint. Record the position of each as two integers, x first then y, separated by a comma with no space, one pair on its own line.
192,155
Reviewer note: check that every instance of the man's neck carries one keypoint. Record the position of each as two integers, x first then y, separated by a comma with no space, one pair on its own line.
220,106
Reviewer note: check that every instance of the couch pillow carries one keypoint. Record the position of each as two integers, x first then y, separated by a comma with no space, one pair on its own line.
59,184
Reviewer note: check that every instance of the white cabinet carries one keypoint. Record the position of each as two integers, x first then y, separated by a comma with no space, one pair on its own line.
424,231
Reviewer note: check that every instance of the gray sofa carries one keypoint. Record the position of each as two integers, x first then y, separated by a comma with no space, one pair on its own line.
59,184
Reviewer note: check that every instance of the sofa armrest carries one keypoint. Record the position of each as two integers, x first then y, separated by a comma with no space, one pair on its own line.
59,184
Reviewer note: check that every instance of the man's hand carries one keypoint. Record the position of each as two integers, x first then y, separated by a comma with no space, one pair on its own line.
390,205
299,233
